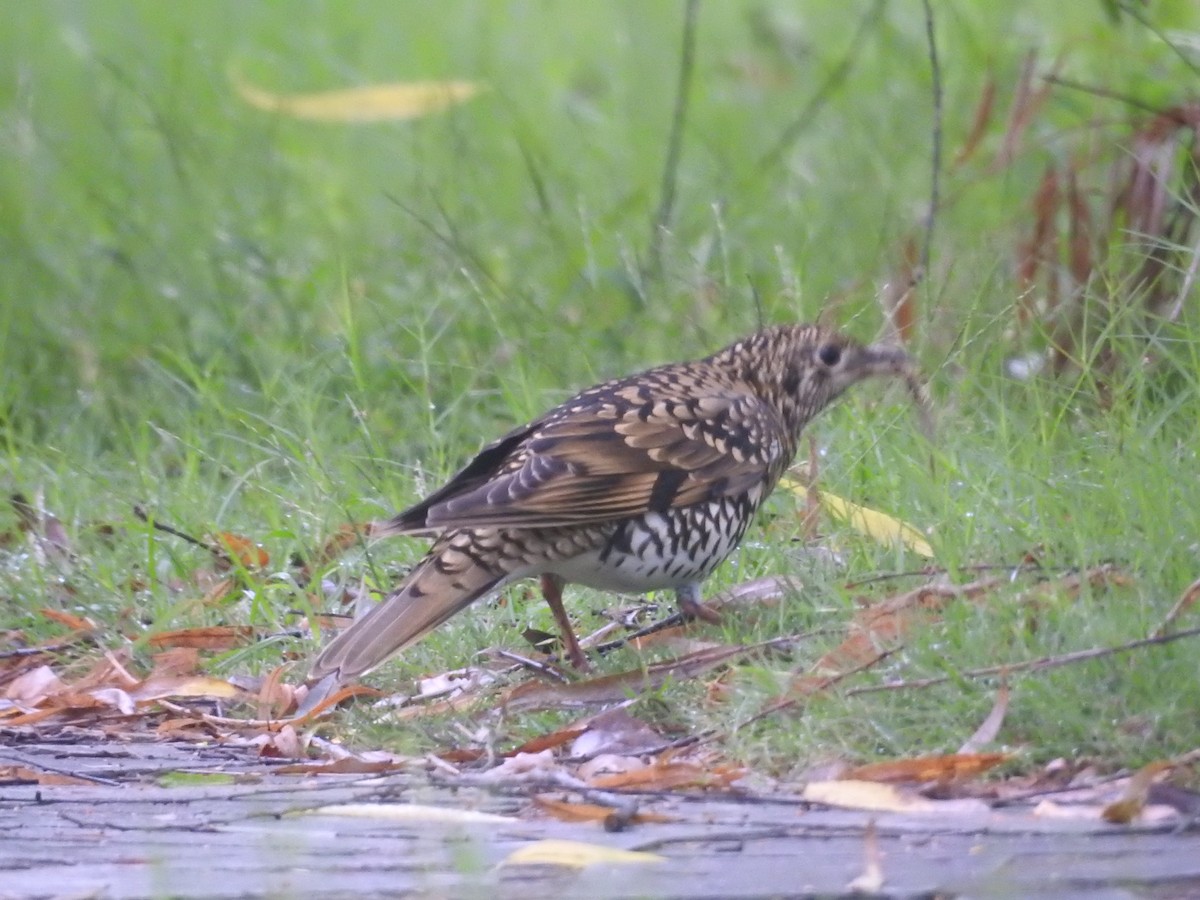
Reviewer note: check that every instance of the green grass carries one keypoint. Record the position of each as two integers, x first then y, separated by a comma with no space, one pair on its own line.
269,327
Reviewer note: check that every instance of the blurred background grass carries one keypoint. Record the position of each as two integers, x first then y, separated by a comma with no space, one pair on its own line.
263,325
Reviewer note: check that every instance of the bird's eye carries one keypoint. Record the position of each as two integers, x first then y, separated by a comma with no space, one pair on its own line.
830,354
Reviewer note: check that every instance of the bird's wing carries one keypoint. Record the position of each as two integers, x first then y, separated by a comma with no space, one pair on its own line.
607,457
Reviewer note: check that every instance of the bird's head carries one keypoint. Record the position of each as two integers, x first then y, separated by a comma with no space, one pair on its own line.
801,369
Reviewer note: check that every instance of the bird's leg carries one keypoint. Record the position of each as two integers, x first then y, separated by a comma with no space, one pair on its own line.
552,586
688,598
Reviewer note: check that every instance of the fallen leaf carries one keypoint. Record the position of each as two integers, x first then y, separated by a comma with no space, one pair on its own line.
576,855
30,688
878,526
348,765
942,769
568,811
213,637
157,687
371,103
245,551
666,774
72,621
871,795
37,776
549,741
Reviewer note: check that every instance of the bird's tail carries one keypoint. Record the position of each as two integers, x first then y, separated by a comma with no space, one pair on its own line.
444,582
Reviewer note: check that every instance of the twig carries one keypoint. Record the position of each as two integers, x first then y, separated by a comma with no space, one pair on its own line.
1029,665
1132,10
822,95
140,512
55,770
1107,93
21,652
935,72
1189,597
524,662
666,201
826,683
928,571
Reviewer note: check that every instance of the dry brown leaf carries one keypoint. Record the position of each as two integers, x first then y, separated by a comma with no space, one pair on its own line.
549,741
177,661
285,743
899,296
570,811
70,620
242,549
941,769
349,534
211,637
1027,101
347,765
331,701
31,688
274,697
666,773
979,123
37,776
185,729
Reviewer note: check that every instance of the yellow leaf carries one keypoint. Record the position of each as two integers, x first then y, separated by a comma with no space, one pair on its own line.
878,526
370,103
575,855
159,686
871,795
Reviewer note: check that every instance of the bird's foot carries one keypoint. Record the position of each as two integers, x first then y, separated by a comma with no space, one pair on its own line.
694,609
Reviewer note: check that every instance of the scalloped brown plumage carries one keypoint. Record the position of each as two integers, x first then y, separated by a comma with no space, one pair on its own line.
637,484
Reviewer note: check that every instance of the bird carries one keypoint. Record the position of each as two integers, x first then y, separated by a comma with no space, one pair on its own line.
641,483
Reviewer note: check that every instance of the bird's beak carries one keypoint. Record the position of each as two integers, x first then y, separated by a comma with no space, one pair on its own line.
889,361
882,359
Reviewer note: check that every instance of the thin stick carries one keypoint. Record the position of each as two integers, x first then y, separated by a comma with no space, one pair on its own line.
140,512
1029,665
666,201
